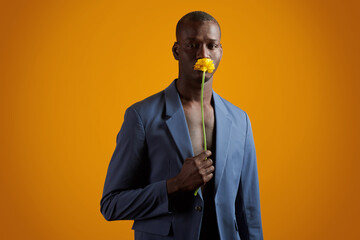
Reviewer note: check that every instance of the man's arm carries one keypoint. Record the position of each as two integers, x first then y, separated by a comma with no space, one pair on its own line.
248,215
126,195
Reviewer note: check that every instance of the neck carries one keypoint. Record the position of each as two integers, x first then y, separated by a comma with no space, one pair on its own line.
190,91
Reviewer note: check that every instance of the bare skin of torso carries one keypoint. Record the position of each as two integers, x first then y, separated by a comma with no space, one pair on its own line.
193,118
194,122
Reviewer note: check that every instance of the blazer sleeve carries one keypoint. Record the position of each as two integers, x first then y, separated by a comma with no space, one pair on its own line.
126,194
248,215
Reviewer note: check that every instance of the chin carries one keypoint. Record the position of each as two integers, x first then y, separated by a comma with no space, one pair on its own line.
199,80
197,77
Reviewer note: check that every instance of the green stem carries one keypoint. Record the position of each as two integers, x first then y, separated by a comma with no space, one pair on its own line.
202,109
202,117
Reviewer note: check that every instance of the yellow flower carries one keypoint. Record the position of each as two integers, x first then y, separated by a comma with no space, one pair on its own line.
204,64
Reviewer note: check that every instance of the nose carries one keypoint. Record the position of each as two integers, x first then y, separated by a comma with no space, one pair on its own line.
202,52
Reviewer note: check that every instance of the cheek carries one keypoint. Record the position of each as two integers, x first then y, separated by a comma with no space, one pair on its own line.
188,57
217,59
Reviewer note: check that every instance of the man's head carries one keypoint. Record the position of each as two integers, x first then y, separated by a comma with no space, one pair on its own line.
196,16
197,36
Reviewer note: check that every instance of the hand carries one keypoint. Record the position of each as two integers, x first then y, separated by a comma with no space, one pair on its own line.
195,172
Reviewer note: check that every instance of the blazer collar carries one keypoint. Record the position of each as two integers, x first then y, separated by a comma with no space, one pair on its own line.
173,101
177,125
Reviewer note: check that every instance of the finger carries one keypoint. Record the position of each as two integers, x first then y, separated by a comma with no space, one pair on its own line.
205,163
208,162
210,169
204,155
208,177
199,159
206,171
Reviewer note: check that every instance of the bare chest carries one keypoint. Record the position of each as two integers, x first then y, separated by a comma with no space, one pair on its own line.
194,122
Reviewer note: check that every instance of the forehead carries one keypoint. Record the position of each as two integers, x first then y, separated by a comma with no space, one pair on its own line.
199,31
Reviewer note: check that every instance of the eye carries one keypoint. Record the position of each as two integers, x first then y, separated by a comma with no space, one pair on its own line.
212,46
191,45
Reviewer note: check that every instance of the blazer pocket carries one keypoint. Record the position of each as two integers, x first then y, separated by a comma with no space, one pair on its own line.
154,226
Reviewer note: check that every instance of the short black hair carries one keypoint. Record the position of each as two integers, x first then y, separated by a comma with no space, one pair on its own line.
196,16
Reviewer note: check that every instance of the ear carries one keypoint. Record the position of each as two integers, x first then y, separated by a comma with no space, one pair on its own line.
175,50
221,50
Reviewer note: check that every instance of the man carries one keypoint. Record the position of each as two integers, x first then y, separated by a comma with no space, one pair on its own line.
159,162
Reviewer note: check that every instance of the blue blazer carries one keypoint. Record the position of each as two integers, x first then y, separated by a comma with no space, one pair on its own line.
151,146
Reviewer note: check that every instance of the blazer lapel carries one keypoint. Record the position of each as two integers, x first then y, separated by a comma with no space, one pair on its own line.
176,122
223,131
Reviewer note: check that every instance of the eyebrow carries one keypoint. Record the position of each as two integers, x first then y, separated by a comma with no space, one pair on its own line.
210,39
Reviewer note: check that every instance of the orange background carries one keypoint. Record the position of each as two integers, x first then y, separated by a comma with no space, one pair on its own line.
69,69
